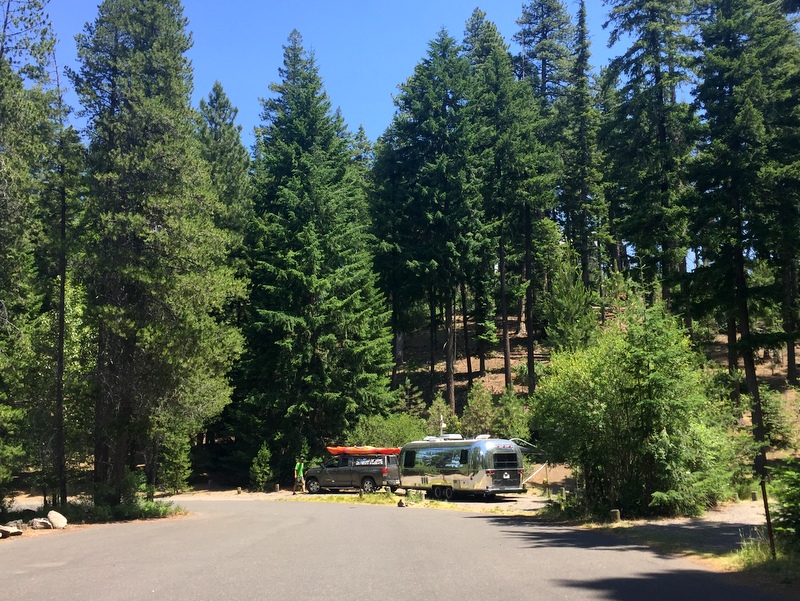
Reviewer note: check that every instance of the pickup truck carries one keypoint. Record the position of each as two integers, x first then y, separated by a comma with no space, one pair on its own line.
367,472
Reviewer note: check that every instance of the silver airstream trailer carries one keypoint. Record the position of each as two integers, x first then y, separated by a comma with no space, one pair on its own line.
449,465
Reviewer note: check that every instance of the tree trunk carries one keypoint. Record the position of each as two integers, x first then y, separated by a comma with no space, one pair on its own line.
747,353
504,312
733,362
432,317
61,460
450,347
465,317
790,318
529,300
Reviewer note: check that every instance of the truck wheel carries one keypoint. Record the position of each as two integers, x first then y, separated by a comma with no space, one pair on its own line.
312,485
448,493
368,485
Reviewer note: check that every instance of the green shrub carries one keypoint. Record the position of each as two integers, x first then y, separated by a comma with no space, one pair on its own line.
786,478
630,411
261,470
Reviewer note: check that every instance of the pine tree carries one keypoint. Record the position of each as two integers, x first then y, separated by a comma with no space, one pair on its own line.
545,36
652,127
228,159
26,42
582,204
318,347
426,154
156,262
748,71
510,156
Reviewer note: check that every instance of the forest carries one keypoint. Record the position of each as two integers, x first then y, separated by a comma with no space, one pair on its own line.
175,306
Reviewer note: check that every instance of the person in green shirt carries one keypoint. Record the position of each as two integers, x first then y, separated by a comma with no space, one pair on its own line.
299,480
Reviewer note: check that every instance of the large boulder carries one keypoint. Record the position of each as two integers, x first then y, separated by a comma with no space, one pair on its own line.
59,521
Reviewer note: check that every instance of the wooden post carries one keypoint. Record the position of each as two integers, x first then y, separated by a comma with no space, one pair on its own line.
615,515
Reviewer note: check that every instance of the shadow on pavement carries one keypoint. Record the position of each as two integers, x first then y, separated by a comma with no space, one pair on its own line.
669,585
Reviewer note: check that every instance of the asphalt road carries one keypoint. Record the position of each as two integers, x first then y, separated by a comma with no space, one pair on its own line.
247,549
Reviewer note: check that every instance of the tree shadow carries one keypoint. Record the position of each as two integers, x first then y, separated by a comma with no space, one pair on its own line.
674,582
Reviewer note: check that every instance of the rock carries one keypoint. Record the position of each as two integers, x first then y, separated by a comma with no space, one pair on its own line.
59,521
6,531
41,524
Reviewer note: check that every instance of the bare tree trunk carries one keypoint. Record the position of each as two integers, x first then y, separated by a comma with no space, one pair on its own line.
432,317
504,313
465,319
529,300
450,347
747,353
61,460
733,361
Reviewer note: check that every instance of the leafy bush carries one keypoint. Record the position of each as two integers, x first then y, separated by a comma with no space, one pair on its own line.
630,411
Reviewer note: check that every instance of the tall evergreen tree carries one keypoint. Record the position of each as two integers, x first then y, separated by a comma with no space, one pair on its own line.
318,346
509,154
428,144
653,128
582,205
221,146
545,36
748,69
26,42
156,269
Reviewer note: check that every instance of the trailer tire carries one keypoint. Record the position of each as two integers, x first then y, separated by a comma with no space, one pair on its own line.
448,493
438,493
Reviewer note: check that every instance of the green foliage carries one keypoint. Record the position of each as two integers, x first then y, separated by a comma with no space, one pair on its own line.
441,418
174,466
261,469
410,399
511,416
778,427
571,317
631,413
478,417
156,271
393,430
787,494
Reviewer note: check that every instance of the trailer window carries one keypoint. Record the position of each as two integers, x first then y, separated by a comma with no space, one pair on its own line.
410,459
504,461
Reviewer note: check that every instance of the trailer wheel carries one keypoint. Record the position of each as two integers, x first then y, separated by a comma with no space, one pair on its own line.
448,493
368,485
438,493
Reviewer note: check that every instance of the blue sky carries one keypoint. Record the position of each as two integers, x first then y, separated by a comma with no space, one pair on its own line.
363,49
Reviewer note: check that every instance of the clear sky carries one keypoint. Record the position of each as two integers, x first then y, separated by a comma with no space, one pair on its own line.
363,49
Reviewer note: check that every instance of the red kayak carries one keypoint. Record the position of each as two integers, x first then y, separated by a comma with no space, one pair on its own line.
364,450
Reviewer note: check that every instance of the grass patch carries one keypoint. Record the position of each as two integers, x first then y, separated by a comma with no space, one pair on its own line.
378,498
